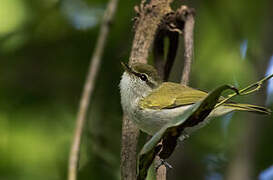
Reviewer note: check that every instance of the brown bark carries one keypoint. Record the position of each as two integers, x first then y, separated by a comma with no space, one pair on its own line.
148,21
188,42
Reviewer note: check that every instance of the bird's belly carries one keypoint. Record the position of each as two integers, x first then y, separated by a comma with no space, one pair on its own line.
151,121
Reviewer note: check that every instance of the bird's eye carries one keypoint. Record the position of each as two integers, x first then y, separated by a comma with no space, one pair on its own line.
143,77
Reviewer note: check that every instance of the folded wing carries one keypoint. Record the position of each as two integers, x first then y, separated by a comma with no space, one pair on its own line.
170,95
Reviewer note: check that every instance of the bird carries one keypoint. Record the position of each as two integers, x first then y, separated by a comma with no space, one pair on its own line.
151,103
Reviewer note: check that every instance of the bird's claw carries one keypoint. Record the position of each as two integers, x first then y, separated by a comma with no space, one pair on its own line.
165,163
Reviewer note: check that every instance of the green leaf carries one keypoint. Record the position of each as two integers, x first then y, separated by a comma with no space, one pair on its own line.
171,131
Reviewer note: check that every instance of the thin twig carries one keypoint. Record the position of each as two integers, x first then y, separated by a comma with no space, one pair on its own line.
188,44
248,90
88,88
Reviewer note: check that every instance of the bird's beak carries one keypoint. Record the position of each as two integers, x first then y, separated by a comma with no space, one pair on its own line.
126,67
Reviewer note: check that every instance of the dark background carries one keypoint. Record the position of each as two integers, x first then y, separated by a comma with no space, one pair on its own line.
45,47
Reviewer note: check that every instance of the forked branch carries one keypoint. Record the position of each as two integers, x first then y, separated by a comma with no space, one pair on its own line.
148,20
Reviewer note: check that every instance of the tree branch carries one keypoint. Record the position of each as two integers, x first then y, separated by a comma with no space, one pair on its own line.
88,88
150,15
129,141
188,14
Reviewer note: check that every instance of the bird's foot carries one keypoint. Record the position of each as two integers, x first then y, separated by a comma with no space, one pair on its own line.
164,163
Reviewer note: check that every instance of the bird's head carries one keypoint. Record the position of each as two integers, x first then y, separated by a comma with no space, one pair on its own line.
140,78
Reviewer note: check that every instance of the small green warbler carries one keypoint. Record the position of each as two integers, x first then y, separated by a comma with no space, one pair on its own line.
151,103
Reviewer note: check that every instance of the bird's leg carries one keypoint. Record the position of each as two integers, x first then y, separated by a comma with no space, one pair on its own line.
161,162
164,163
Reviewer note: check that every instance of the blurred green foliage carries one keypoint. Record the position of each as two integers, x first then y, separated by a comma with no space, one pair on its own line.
45,47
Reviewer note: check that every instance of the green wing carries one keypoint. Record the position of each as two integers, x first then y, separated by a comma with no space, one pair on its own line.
170,95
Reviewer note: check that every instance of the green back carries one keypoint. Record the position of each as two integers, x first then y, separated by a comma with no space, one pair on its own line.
170,95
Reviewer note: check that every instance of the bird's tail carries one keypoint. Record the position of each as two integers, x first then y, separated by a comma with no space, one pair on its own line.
249,108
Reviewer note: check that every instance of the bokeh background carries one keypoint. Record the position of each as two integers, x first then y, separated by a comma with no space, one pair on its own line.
45,47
